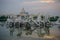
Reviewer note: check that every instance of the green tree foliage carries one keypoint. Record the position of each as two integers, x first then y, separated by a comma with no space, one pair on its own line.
3,18
42,17
54,19
35,17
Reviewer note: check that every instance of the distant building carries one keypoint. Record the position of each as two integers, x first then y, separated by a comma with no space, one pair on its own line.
23,15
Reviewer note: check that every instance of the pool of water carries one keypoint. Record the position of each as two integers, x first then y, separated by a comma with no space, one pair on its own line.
5,33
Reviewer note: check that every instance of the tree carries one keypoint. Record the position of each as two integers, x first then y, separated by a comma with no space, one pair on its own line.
42,17
35,17
54,19
3,18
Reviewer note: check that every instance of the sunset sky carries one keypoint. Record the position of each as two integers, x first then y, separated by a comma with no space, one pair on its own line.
51,7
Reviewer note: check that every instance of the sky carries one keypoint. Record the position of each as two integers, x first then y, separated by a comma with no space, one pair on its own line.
50,7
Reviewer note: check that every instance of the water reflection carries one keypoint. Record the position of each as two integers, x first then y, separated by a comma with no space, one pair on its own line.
19,32
11,31
11,26
27,29
58,27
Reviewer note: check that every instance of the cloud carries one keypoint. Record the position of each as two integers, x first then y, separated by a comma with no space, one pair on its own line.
47,1
37,2
46,8
14,6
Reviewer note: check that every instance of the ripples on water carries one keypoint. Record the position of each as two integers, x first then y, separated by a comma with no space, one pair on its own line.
7,33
